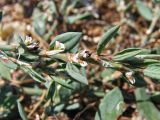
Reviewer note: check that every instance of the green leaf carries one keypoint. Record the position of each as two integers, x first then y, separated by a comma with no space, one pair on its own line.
76,74
155,97
29,57
6,48
51,90
5,71
146,107
21,111
144,10
36,76
73,106
33,90
128,53
106,38
52,8
111,106
65,93
107,75
9,64
150,62
39,24
153,71
69,39
139,80
61,82
75,49
63,6
74,18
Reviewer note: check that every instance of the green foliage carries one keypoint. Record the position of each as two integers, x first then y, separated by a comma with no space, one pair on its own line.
21,111
36,76
146,107
144,10
51,89
126,54
5,71
61,82
106,38
69,39
111,106
56,70
153,71
39,24
74,18
76,74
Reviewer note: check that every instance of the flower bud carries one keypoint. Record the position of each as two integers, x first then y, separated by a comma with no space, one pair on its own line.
130,77
28,40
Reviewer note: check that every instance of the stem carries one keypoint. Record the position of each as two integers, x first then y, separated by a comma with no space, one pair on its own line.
93,59
8,47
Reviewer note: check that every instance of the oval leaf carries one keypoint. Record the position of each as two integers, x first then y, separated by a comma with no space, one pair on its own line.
75,73
21,111
144,10
146,107
69,39
128,53
106,38
36,76
51,90
72,19
111,106
153,71
5,71
39,24
62,82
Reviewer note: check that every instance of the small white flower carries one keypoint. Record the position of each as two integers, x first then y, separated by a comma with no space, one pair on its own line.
129,73
130,77
28,40
75,58
59,46
85,53
33,45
